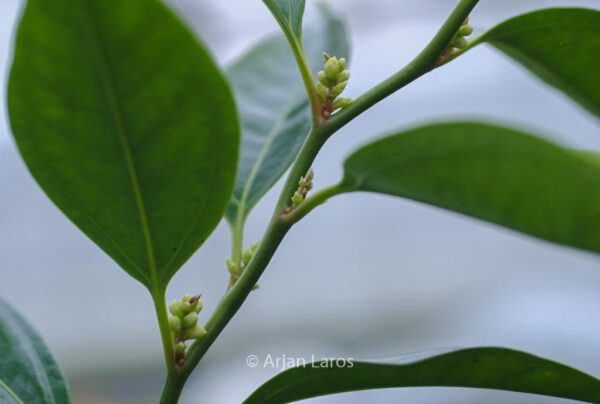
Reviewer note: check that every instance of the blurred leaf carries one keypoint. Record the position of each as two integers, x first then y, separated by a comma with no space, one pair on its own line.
127,124
560,45
28,373
491,173
289,15
485,368
588,156
274,109
7,396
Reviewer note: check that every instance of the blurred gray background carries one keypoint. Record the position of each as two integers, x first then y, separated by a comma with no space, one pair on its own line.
365,276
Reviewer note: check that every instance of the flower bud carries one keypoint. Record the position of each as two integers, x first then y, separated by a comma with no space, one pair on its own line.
332,68
186,298
186,307
343,64
338,89
322,91
194,333
176,308
341,103
297,199
343,76
198,306
247,256
190,320
460,43
175,324
180,348
465,30
322,77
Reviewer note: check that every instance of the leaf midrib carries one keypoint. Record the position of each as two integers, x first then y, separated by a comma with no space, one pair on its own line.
11,392
106,77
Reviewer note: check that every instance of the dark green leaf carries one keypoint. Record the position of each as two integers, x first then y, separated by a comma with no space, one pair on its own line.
485,368
274,109
127,124
491,173
561,46
28,373
289,15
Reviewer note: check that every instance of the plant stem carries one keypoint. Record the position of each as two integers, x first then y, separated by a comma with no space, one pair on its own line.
160,305
278,227
275,233
305,71
237,246
172,388
420,65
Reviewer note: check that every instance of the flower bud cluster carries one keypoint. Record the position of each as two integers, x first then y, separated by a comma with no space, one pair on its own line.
235,269
184,323
305,184
332,82
184,319
457,45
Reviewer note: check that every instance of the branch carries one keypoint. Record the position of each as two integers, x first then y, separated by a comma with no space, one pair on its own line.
278,227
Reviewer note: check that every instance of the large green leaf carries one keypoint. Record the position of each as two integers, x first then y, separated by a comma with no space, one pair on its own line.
274,108
561,46
491,173
28,373
486,368
127,124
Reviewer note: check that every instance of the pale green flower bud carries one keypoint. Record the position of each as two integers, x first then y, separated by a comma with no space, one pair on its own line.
234,268
190,320
175,324
338,89
343,64
247,256
310,175
341,103
180,348
186,298
465,30
186,307
322,91
460,43
297,199
176,308
343,76
332,68
198,306
194,333
322,77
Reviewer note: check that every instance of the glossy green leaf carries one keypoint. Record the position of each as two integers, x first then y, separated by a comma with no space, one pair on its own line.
289,15
485,368
127,124
28,373
560,46
495,174
274,109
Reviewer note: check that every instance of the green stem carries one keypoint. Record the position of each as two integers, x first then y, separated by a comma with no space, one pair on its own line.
305,72
278,227
237,245
172,388
275,233
420,65
312,202
160,305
